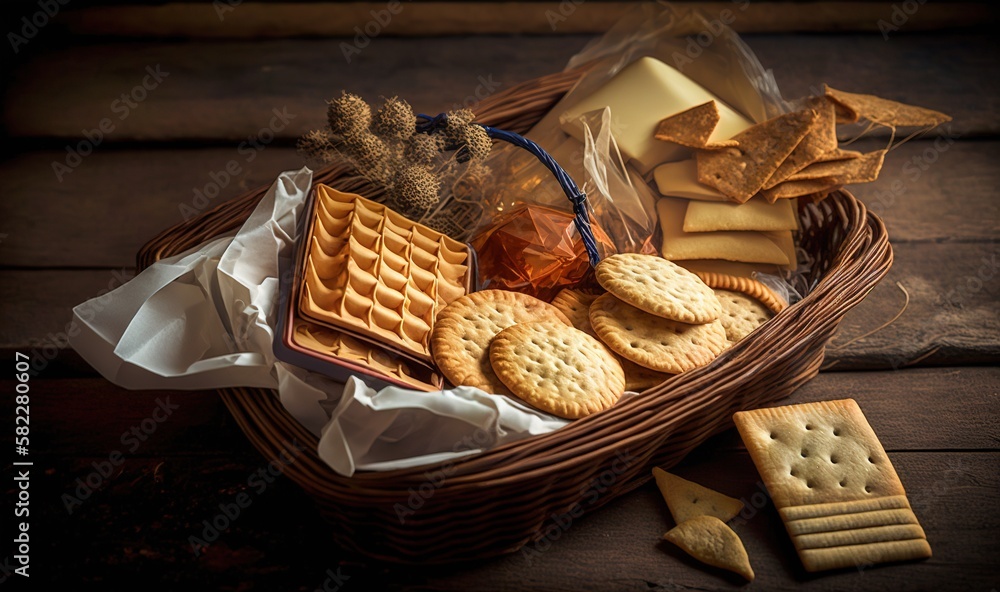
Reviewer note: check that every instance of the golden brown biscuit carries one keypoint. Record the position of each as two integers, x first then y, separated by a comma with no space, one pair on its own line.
658,287
464,329
654,342
557,368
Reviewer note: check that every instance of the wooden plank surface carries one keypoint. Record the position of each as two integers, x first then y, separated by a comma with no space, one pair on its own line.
952,72
928,192
126,196
445,18
953,313
952,317
939,424
197,459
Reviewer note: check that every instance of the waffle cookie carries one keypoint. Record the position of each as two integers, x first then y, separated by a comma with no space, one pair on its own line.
333,344
376,275
833,485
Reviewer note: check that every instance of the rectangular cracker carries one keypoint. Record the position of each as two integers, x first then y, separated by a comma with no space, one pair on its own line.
835,489
748,247
755,214
680,179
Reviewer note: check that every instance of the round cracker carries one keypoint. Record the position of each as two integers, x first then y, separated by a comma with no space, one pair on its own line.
741,314
460,341
557,368
654,342
576,306
751,287
658,287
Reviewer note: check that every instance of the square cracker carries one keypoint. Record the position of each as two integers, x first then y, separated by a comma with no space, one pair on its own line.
756,214
832,482
745,246
741,172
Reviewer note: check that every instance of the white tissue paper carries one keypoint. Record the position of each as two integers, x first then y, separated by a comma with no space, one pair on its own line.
206,319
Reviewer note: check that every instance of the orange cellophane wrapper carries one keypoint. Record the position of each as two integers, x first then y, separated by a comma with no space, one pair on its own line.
536,250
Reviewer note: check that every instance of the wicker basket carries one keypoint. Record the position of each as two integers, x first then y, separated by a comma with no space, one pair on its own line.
498,501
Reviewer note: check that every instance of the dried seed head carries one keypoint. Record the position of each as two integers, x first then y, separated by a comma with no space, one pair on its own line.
477,144
369,155
348,115
394,120
317,146
421,149
414,190
462,116
450,137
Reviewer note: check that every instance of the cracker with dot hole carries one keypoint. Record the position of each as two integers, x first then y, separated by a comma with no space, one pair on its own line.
817,455
688,346
464,329
658,287
741,314
572,375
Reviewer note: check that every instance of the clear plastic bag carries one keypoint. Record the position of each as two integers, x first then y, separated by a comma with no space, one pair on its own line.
620,200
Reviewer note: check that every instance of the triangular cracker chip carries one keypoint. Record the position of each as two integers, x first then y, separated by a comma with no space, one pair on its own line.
883,111
820,140
789,189
687,499
838,154
856,170
693,127
709,540
741,172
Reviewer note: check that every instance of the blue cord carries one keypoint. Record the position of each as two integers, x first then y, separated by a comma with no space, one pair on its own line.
427,124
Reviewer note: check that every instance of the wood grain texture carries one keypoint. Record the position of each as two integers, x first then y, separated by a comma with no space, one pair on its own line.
936,189
198,459
445,18
117,199
953,316
951,408
196,102
925,194
916,410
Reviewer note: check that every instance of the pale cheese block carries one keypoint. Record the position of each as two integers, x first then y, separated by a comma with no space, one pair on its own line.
640,96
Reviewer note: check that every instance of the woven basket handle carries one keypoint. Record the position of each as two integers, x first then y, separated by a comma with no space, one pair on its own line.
428,124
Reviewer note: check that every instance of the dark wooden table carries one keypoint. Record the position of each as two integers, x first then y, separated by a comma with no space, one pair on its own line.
928,381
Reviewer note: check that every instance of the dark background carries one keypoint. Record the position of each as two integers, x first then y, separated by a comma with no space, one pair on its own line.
927,382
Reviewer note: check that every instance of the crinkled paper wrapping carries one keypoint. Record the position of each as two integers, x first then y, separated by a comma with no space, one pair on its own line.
205,319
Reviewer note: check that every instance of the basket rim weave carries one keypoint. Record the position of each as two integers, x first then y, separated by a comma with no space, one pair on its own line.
547,470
